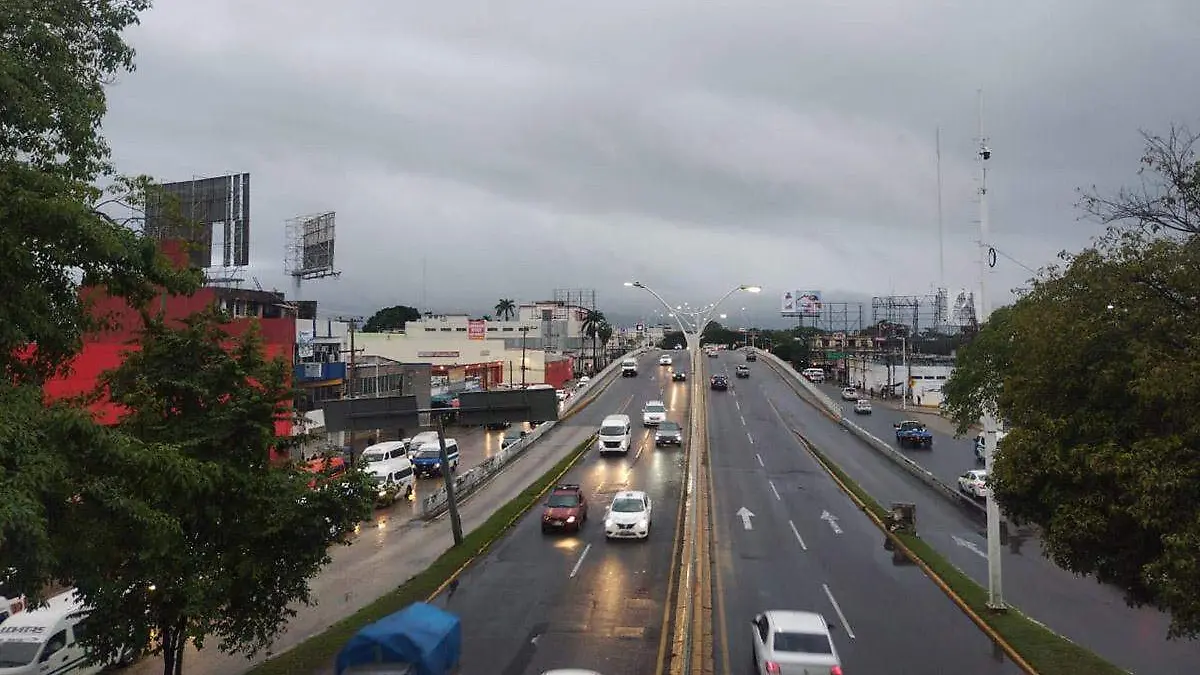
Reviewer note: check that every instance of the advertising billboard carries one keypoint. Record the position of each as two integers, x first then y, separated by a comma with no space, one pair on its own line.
476,329
190,210
808,303
787,306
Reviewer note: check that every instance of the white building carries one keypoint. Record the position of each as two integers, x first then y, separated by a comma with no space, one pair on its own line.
924,381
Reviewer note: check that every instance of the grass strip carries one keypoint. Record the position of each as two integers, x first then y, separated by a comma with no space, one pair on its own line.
1048,652
309,656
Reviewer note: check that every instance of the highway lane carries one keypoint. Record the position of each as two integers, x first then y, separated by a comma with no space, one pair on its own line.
1087,612
810,548
376,560
538,602
949,458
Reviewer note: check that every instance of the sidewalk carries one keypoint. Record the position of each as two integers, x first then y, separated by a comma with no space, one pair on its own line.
383,558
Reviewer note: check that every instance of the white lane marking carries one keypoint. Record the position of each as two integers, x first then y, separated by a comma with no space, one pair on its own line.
838,608
798,537
743,419
750,437
575,569
832,520
760,462
736,404
772,484
969,545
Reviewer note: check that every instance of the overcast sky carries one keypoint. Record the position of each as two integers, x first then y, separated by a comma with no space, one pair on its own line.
523,146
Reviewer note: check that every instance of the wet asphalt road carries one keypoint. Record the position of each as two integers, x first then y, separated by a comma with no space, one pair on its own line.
810,548
538,602
1083,610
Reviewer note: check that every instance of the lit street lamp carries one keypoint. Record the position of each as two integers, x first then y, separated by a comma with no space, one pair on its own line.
700,318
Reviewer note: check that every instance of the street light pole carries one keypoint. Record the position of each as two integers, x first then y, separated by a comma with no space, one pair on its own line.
701,318
995,578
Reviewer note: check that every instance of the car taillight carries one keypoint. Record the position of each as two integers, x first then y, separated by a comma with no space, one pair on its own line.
836,670
772,667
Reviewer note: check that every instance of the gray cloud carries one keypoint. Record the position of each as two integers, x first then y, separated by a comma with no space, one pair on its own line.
691,145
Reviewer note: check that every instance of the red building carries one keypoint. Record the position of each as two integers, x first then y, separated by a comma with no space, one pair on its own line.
106,350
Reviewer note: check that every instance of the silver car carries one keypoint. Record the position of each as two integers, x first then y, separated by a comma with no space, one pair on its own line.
794,643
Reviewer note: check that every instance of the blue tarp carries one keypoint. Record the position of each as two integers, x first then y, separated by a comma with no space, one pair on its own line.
422,635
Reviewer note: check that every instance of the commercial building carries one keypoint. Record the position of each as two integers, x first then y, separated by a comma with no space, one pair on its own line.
107,349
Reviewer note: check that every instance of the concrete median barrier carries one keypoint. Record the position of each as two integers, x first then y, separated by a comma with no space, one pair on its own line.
803,387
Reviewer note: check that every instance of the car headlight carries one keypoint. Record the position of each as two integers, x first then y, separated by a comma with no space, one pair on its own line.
608,524
644,524
570,519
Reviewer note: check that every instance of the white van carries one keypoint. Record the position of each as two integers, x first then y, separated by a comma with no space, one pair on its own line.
615,434
421,439
394,478
44,640
383,452
629,368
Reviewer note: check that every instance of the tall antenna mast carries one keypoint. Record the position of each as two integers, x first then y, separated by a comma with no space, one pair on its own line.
940,223
424,285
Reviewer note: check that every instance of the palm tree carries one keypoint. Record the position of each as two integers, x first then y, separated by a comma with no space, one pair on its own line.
592,320
605,333
505,309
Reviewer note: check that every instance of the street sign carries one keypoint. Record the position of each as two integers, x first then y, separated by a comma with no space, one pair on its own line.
521,405
384,412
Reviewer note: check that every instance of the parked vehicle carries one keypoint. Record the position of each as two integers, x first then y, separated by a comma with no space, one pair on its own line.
862,407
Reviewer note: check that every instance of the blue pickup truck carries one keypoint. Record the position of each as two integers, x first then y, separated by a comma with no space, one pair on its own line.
912,434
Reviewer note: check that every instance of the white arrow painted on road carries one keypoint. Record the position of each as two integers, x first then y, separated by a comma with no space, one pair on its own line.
832,520
745,514
969,545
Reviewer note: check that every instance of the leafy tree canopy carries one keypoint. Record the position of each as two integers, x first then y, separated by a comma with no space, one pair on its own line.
190,530
391,318
1096,369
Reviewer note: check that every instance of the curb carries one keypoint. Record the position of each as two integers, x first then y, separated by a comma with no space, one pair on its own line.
979,621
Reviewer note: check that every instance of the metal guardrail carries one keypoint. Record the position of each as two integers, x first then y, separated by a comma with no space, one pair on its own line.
879,445
472,479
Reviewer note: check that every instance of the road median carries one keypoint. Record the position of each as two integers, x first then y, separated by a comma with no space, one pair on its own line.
1029,644
316,654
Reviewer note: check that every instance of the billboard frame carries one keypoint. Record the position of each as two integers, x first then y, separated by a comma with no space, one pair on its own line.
189,211
311,244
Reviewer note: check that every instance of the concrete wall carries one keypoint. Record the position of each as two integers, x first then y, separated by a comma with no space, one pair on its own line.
927,381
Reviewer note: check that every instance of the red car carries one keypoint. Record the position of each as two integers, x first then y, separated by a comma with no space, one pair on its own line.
566,509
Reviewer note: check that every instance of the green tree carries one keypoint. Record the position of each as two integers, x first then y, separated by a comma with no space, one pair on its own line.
1096,369
605,334
193,530
391,318
670,339
979,371
55,57
505,309
590,326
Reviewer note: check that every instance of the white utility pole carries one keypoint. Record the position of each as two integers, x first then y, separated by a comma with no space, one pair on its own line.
988,422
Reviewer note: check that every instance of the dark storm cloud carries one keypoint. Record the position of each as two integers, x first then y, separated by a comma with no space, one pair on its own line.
691,145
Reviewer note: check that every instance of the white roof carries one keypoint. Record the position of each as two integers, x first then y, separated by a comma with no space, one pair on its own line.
630,494
655,402
56,609
386,446
386,467
798,622
619,419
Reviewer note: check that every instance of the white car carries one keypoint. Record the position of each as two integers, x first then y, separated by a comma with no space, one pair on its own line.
974,483
793,642
628,516
850,394
862,407
583,381
654,413
664,360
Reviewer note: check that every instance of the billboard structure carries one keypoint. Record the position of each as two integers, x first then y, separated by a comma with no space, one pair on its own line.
310,247
195,212
926,313
835,317
801,303
568,303
476,329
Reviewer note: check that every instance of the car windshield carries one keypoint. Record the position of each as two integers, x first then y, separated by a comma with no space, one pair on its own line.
512,436
911,426
802,643
655,409
668,426
563,501
612,431
372,457
429,453
377,478
628,505
14,654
